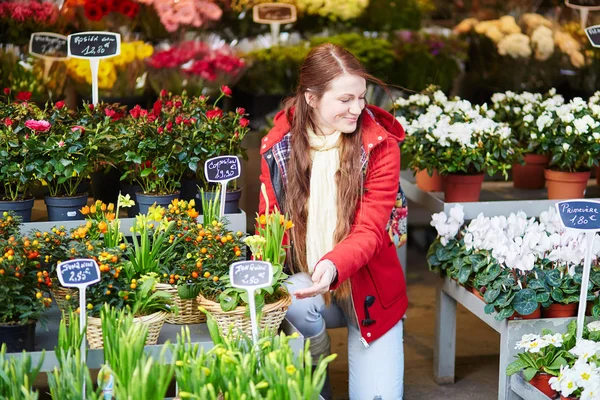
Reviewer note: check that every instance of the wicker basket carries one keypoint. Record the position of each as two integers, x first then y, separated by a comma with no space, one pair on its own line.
188,309
272,315
60,297
154,321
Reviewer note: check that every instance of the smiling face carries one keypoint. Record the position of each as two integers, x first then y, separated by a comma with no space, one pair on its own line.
341,105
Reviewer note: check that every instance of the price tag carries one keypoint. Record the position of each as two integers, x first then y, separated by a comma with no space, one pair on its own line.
94,45
584,7
78,273
593,34
582,216
222,169
251,274
274,13
48,45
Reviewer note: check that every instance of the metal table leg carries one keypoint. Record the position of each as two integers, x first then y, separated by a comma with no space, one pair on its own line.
444,352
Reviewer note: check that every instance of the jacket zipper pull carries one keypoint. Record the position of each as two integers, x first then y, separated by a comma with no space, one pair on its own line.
364,342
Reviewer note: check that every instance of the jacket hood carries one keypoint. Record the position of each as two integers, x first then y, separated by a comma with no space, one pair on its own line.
387,122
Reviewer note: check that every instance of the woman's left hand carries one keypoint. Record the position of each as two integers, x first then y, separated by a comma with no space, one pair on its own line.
322,277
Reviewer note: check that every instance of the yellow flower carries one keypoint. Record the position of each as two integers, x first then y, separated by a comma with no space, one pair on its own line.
290,369
125,201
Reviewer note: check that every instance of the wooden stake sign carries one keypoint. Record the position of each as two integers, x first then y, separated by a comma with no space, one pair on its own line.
584,7
274,14
79,273
222,169
251,275
94,46
582,216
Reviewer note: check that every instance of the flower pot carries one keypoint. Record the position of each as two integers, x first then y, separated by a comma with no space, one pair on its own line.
568,398
589,309
530,175
566,185
476,293
189,190
18,337
560,310
146,201
106,185
232,200
154,322
272,315
188,309
540,381
537,314
429,183
22,208
65,208
131,190
462,188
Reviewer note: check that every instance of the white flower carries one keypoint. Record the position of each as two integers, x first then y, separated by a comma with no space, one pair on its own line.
594,326
528,118
543,121
457,214
526,339
566,146
555,340
586,374
585,349
591,392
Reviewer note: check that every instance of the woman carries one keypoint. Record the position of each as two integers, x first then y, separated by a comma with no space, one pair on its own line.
332,163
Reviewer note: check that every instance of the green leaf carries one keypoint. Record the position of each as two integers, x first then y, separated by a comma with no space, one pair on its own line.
525,302
146,172
505,313
515,367
553,278
558,295
188,291
228,300
489,308
529,373
463,273
542,297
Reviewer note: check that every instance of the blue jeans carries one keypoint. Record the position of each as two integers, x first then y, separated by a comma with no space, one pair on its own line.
376,371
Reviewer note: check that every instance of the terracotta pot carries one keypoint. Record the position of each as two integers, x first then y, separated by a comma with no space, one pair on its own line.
588,308
462,188
476,293
537,314
560,310
566,185
540,381
429,183
530,175
568,398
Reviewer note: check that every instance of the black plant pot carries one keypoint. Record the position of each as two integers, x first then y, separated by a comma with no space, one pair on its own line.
146,201
232,200
21,208
18,337
65,208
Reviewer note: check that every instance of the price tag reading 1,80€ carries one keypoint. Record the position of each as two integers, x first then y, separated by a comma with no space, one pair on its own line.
78,273
581,215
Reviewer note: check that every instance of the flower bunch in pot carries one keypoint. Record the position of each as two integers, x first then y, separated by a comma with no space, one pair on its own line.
463,143
570,134
520,111
544,357
18,144
67,152
23,284
202,249
407,110
229,305
156,150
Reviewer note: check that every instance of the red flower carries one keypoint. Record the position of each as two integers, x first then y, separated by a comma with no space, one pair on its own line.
186,121
6,91
226,90
244,122
216,113
163,93
93,11
23,96
38,126
169,104
193,120
169,126
156,109
8,121
160,130
59,104
178,119
148,163
136,111
240,110
91,107
109,113
143,113
178,104
128,8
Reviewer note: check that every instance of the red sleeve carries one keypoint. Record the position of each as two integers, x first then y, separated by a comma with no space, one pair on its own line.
265,179
368,233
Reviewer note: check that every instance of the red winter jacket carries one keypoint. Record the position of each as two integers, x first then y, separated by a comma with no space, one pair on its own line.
367,256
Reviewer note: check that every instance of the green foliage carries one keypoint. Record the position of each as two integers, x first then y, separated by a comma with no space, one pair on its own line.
17,375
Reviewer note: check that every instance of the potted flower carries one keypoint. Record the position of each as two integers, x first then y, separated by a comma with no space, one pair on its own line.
462,142
229,304
520,111
544,357
571,135
18,145
22,286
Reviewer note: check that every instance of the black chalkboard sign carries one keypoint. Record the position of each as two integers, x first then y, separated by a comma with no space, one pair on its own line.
222,168
583,4
48,45
78,273
94,44
593,34
251,274
580,214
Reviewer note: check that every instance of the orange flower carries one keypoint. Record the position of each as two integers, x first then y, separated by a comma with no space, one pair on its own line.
193,213
102,227
85,210
110,216
93,209
103,207
262,220
289,225
281,220
110,207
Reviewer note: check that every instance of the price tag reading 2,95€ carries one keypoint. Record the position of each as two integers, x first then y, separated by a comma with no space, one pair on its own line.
582,215
78,273
94,45
251,274
222,169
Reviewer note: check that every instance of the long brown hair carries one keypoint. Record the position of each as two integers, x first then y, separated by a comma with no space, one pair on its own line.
323,64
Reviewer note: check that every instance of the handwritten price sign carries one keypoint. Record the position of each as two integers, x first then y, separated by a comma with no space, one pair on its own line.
78,273
94,44
580,214
251,274
222,169
48,45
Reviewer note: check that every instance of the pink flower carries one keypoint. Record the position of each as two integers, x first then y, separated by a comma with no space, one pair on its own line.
226,90
216,113
244,122
61,144
8,121
240,110
59,104
38,126
78,128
